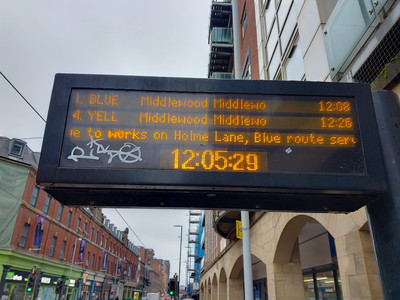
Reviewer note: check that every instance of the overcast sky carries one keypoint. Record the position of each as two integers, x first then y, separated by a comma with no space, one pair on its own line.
126,37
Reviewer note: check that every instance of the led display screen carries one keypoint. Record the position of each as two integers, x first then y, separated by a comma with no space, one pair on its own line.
215,144
212,132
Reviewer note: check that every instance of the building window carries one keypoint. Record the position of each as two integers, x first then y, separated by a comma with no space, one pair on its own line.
244,21
269,16
34,196
287,29
60,210
265,3
274,64
24,236
62,250
53,246
36,249
322,284
246,74
69,218
105,244
93,260
97,236
99,263
72,253
91,233
46,205
84,228
294,66
102,240
16,148
78,224
272,41
87,258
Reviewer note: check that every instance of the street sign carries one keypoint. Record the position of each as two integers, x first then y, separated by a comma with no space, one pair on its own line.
173,142
239,233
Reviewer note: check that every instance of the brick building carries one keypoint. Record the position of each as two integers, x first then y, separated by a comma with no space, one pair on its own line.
75,242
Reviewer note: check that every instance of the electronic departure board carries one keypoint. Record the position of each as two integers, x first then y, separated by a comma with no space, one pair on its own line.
212,132
120,140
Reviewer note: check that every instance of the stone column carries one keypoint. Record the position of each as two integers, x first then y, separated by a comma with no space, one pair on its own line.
222,293
285,281
235,291
214,290
357,266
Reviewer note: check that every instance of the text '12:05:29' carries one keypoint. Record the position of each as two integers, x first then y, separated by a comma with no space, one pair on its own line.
219,160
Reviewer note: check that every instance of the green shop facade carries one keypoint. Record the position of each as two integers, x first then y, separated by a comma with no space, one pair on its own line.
16,267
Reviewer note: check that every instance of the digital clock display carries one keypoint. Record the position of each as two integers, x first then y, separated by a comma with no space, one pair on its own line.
212,132
221,160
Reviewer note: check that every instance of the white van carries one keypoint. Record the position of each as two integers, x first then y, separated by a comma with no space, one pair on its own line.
153,296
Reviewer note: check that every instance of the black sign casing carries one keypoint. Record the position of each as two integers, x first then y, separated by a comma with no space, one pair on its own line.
278,145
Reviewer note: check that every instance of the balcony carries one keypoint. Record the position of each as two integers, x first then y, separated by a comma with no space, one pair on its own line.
221,75
221,14
349,23
195,213
220,38
221,60
220,35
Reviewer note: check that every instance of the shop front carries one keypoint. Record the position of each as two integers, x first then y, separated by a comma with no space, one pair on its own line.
91,286
98,286
107,288
129,290
15,268
15,286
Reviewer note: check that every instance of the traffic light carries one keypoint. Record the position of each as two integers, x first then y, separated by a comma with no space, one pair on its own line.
171,287
176,285
30,283
38,280
60,285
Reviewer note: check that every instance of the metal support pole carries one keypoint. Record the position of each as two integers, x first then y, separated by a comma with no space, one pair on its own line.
247,267
80,284
180,256
384,213
70,268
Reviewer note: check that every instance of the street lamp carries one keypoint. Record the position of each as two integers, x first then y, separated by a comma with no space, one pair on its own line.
70,268
180,252
73,257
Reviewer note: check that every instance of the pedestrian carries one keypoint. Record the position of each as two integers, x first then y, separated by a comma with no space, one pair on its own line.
117,298
4,296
